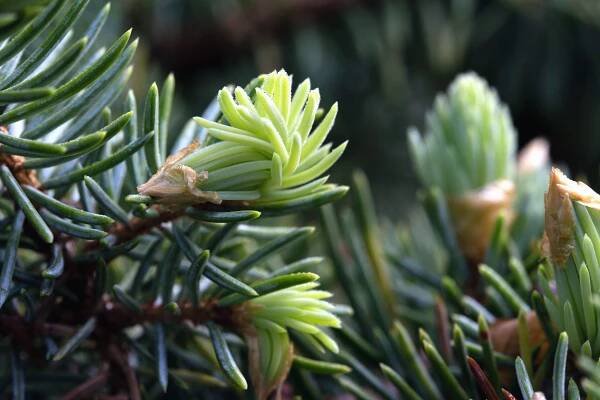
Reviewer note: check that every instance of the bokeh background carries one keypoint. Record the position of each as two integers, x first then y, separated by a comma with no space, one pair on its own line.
384,61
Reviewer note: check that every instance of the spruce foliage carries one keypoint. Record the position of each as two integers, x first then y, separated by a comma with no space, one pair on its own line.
139,261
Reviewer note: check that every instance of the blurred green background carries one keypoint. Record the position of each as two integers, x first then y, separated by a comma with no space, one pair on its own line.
384,61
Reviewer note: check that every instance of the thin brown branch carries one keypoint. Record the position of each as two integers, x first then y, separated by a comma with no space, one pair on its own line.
89,387
139,226
23,332
128,372
115,317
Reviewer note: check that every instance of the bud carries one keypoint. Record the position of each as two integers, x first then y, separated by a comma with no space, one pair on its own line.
301,308
177,183
270,357
572,244
470,139
474,215
264,151
559,231
469,153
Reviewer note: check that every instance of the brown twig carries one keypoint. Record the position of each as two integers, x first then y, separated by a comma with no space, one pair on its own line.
128,372
23,332
87,388
112,319
115,317
139,226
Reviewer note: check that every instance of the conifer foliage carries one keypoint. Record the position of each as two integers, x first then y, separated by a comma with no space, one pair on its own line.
126,270
139,261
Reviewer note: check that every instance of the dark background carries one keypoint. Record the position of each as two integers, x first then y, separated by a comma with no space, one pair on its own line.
384,61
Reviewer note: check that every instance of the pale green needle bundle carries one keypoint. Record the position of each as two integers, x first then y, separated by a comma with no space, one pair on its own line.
468,152
470,139
300,308
267,149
